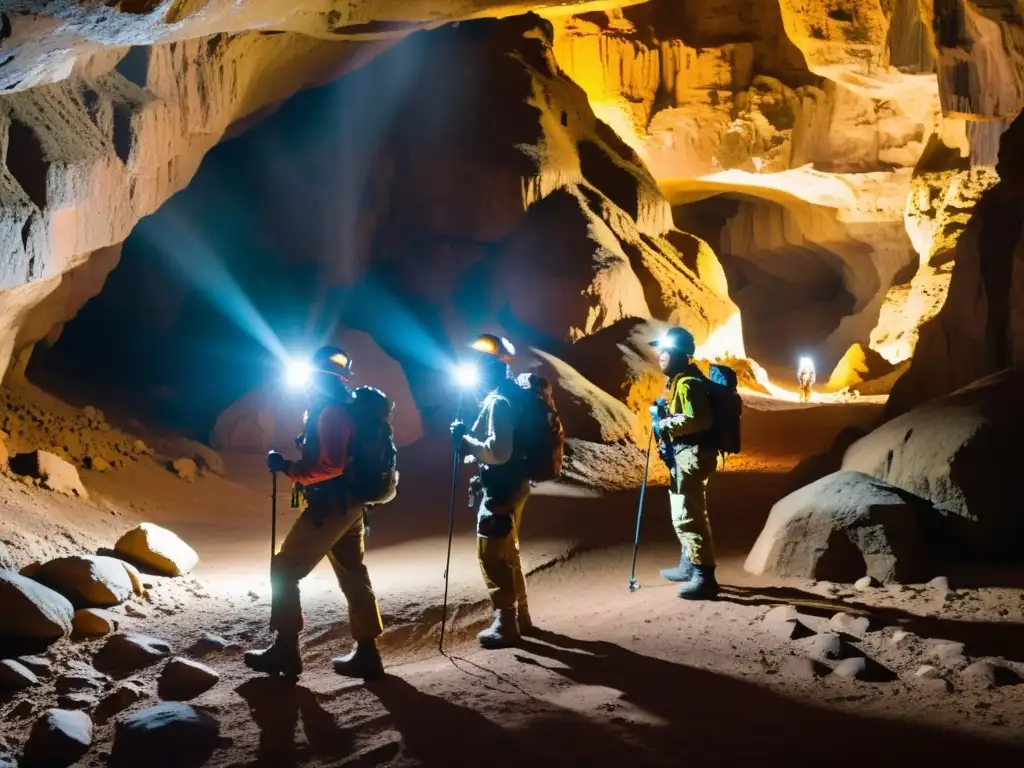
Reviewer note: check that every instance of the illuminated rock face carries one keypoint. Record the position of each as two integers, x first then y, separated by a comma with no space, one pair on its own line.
107,109
813,168
980,328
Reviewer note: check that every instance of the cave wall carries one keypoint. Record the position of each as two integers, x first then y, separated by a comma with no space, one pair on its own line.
109,110
980,328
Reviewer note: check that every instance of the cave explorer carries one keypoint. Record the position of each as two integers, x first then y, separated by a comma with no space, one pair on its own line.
331,525
805,377
692,457
505,487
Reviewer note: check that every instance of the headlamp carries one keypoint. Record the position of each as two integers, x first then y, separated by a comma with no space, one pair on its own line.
297,373
466,375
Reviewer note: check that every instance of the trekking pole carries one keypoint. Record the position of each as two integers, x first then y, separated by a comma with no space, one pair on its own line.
634,585
273,516
448,559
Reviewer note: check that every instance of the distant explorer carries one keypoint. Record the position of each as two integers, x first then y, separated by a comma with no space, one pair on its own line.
348,462
703,420
805,377
517,439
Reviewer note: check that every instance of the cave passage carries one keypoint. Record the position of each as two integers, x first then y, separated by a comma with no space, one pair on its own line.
792,293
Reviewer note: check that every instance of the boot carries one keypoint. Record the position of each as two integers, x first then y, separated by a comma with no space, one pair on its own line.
702,584
680,573
503,633
362,661
523,617
281,658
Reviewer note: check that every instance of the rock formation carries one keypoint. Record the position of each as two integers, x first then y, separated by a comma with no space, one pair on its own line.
962,453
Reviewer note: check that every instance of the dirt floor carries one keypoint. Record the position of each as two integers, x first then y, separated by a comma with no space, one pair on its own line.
613,679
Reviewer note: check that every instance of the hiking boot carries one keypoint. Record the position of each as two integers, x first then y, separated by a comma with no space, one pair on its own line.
362,661
702,584
281,658
503,633
680,573
523,617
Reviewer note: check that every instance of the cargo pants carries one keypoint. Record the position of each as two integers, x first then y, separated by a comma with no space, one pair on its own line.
334,531
497,548
688,501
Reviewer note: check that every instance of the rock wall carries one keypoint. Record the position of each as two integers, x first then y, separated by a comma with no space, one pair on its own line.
719,100
980,328
85,158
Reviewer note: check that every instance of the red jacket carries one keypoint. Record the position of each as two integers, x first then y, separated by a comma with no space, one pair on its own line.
334,429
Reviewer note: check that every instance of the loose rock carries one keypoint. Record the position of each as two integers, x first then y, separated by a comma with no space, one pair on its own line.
941,583
97,463
77,701
208,644
949,653
157,548
186,469
15,676
184,679
931,679
863,668
123,654
124,696
865,582
94,622
31,610
40,665
169,734
900,638
51,470
59,738
802,669
88,580
827,645
784,623
850,625
980,675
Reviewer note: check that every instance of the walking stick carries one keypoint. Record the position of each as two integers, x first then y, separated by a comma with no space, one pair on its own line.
273,516
448,560
634,585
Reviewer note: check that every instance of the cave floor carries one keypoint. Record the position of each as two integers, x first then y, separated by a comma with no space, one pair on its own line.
614,678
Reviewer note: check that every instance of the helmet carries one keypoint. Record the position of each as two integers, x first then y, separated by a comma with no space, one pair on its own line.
332,360
496,346
677,340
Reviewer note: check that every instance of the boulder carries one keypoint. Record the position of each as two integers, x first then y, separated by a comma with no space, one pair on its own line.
124,654
821,464
88,581
54,472
186,469
39,665
169,734
157,548
863,369
842,527
32,611
59,738
271,417
587,413
184,679
963,452
94,622
118,700
14,676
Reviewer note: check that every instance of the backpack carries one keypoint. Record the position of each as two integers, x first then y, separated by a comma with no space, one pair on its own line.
726,407
372,468
539,438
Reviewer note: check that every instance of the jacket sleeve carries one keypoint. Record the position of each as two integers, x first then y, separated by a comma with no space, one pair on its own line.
334,430
690,409
496,448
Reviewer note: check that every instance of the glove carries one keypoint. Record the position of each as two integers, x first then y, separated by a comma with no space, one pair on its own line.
664,424
459,431
276,462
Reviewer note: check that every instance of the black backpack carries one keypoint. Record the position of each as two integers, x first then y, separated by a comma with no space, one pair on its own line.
726,407
539,439
372,468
